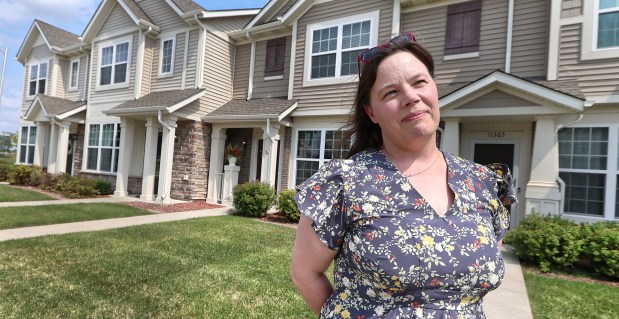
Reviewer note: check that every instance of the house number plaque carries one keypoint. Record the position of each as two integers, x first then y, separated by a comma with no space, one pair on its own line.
496,134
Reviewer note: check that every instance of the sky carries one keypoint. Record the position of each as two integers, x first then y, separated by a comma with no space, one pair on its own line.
16,17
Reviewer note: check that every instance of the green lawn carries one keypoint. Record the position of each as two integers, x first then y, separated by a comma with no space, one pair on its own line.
216,267
552,298
14,194
24,216
7,158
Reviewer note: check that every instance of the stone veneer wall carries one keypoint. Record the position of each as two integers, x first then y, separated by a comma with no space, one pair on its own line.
79,149
286,159
192,151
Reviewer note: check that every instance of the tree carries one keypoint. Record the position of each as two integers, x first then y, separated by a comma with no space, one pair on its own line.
8,142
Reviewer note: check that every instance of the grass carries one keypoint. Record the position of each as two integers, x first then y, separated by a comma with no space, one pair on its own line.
559,298
216,267
25,216
15,194
7,158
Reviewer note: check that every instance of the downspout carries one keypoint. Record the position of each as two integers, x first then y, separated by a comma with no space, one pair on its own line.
87,84
252,64
202,46
510,30
164,124
140,65
578,118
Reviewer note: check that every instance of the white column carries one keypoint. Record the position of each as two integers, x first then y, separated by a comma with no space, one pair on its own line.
269,153
41,145
150,159
124,157
543,194
231,179
451,136
63,147
53,149
167,156
216,162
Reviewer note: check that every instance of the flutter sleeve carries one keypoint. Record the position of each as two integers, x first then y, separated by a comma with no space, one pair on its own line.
321,198
506,195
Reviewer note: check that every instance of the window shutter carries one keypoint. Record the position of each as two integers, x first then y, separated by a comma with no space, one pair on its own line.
463,27
275,54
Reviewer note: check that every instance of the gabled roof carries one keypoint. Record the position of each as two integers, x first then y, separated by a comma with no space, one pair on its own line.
158,101
57,39
54,107
188,6
252,110
275,15
132,8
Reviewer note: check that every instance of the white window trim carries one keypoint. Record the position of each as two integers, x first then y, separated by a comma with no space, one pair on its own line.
77,76
589,50
461,56
323,127
611,170
113,43
163,40
28,144
307,71
274,77
38,64
115,149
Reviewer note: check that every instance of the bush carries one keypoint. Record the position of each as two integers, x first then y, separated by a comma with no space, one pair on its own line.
5,170
253,198
602,250
103,187
548,242
24,175
287,205
78,187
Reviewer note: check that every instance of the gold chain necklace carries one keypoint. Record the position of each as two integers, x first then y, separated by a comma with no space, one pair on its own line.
412,174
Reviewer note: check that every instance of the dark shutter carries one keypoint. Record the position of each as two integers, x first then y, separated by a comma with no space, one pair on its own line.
463,27
276,52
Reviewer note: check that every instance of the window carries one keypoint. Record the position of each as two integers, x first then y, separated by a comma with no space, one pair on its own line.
585,168
103,146
463,28
74,74
26,144
167,57
607,24
316,147
114,64
38,79
332,48
276,52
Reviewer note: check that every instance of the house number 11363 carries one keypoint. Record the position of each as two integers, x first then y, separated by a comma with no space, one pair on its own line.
498,134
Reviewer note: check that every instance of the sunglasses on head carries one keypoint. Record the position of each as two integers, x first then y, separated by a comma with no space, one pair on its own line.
367,55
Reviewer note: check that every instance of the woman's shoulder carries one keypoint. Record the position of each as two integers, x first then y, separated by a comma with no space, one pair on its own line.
482,171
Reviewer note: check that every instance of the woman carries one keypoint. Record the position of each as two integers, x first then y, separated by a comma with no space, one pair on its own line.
414,231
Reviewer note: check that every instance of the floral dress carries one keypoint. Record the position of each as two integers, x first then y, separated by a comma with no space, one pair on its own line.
396,257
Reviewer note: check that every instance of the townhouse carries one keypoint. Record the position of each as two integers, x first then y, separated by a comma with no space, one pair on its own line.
152,91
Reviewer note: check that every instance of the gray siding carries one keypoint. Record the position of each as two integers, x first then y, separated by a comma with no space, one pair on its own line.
339,94
116,21
596,77
162,15
62,76
530,38
571,8
217,73
192,59
40,53
241,71
229,24
431,26
66,78
172,82
270,88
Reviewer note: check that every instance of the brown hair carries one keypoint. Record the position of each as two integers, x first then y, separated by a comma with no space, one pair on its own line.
364,133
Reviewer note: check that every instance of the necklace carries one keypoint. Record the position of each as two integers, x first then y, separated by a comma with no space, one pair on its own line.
412,174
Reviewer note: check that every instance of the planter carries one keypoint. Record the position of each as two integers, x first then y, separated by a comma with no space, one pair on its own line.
232,160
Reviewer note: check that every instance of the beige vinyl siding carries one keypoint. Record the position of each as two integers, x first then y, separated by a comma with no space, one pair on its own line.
337,95
217,73
495,99
38,54
229,24
270,88
162,15
571,8
595,77
530,38
192,59
61,75
431,26
147,73
118,20
173,82
241,71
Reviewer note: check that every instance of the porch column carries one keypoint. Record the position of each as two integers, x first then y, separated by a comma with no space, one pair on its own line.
216,163
451,136
124,157
150,159
167,156
41,144
53,149
543,194
63,146
269,153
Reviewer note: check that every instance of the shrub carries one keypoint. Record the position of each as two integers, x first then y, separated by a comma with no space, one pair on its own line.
287,205
78,187
5,170
103,187
24,175
253,198
602,250
548,242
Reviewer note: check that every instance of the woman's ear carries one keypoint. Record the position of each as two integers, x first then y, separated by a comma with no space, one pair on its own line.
370,113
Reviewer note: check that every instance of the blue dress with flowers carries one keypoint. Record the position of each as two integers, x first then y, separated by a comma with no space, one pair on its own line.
396,257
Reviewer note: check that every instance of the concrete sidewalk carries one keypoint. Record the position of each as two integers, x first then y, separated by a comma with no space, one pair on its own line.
510,300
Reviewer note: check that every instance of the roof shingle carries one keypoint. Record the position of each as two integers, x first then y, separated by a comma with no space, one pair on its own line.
57,37
57,106
162,99
261,108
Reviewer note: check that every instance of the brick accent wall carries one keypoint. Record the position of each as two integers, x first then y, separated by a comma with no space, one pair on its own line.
192,151
79,149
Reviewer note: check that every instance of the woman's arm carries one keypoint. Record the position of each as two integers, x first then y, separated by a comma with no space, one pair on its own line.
310,259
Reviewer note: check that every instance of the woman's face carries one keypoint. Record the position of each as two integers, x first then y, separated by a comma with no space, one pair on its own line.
404,100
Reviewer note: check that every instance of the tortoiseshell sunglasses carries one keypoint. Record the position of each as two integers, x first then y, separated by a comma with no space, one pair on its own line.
370,53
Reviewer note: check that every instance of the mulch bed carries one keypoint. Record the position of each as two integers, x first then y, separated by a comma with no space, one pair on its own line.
173,208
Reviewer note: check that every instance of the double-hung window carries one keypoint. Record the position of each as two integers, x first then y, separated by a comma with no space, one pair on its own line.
38,79
26,144
600,32
74,71
333,47
315,148
463,28
167,57
103,146
589,166
114,63
607,24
